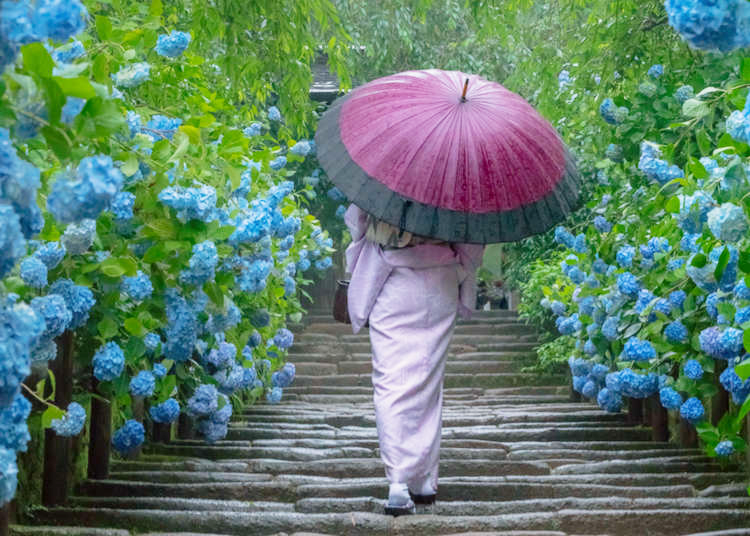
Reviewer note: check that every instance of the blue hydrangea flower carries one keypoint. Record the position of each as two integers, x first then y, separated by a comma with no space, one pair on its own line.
609,328
676,332
557,307
173,44
152,341
283,338
709,341
692,410
204,402
638,350
143,384
72,422
655,168
54,312
609,401
568,325
132,75
710,25
741,290
274,114
163,127
129,437
274,395
326,262
79,237
254,340
301,148
625,256
9,471
628,383
602,225
14,433
579,366
202,264
69,52
34,272
727,222
253,130
693,369
108,361
648,88
628,284
742,315
689,243
72,108
59,20
669,398
122,206
284,377
675,264
12,243
138,287
729,275
182,328
20,327
738,124
564,237
724,448
608,111
703,277
684,93
159,371
615,153
51,254
78,299
655,71
96,183
677,298
579,244
166,412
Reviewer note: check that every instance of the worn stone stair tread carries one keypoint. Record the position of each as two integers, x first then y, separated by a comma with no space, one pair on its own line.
728,532
176,503
43,530
614,522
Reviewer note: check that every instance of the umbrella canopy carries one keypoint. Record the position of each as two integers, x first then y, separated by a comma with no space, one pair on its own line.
479,168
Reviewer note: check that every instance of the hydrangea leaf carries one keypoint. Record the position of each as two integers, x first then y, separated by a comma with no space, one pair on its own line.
745,69
103,27
37,60
50,414
76,87
134,327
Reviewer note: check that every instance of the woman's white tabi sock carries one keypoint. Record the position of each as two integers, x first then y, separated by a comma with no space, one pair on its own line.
398,494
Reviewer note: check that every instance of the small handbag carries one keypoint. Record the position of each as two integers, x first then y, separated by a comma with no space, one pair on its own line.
341,302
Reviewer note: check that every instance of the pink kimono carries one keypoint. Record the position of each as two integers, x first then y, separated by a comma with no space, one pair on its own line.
410,296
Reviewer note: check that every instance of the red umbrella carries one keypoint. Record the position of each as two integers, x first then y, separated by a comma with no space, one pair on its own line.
448,155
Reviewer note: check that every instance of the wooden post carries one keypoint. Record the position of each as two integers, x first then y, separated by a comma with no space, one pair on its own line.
720,401
162,432
139,412
688,435
185,427
5,520
635,411
57,466
659,420
100,437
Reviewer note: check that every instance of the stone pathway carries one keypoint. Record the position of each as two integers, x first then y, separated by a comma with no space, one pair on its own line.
518,458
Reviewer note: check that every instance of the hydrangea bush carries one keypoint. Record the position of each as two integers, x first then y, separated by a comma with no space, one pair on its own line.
162,225
651,285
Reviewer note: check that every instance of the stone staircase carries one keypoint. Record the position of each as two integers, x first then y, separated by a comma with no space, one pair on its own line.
518,458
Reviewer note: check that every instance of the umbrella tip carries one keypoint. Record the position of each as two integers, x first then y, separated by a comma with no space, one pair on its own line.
466,87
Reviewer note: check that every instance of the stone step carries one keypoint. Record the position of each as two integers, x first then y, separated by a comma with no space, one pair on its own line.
471,344
337,355
490,508
344,332
479,379
548,433
451,367
332,467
